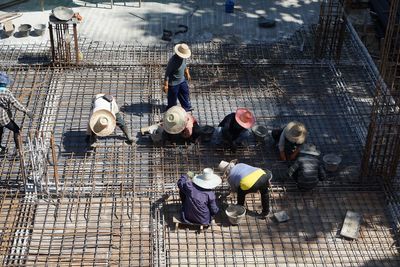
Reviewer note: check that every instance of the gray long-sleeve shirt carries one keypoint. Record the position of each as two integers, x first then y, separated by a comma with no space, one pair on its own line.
175,71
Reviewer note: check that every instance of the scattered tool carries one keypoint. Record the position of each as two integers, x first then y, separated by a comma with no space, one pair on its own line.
194,11
263,22
167,34
351,225
136,16
280,216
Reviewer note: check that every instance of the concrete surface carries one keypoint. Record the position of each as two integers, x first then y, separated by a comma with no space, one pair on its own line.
126,22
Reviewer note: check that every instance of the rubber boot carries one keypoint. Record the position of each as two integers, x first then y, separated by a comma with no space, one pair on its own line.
129,139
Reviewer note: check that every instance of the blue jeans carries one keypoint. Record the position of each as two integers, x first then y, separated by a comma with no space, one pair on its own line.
181,92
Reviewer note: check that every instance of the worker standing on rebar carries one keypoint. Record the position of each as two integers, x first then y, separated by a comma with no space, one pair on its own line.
179,123
234,128
7,100
307,170
244,179
289,139
198,200
102,121
176,78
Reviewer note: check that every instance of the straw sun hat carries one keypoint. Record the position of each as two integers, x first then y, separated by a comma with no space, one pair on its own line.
207,180
296,132
244,118
175,120
102,122
182,50
224,165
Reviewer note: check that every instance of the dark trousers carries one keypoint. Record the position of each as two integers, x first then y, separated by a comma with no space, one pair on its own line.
276,134
12,126
262,186
181,92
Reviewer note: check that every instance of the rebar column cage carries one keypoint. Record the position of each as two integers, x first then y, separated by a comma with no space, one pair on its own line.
330,30
382,149
64,41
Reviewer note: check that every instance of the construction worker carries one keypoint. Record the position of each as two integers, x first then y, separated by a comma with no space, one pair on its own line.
7,100
198,199
289,139
103,119
233,129
178,123
176,78
245,179
307,170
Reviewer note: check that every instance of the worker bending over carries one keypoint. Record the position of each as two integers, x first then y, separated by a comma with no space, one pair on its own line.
244,179
104,117
7,101
289,139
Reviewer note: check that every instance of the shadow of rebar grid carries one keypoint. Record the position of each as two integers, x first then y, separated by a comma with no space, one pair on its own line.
114,206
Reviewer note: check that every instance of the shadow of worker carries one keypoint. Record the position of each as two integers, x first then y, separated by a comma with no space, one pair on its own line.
74,142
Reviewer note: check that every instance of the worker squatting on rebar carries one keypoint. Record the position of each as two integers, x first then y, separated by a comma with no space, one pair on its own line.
179,124
244,179
307,170
289,139
7,101
234,128
176,78
104,117
198,200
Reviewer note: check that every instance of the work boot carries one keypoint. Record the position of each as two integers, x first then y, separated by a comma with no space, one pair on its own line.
129,139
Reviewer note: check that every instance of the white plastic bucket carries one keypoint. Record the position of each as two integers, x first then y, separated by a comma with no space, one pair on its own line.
235,213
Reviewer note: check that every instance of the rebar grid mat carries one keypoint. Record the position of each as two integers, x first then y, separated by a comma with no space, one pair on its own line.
298,48
112,206
309,238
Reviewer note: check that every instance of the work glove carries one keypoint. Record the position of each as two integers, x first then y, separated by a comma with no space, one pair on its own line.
190,174
30,114
165,89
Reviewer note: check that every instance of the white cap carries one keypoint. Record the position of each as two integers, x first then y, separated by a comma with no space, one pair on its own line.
225,166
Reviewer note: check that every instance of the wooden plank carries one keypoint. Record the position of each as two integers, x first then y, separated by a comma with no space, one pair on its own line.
9,16
351,225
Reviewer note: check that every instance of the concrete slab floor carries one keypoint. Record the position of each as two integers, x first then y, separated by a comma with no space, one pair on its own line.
126,22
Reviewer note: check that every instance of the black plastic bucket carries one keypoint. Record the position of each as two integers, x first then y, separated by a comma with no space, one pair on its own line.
24,29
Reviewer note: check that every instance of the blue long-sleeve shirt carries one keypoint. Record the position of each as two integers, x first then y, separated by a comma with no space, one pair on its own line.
199,204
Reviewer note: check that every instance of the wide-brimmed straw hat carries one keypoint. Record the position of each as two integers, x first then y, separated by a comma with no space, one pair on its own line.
310,149
63,13
4,79
175,120
207,180
182,50
296,132
224,165
102,122
245,118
